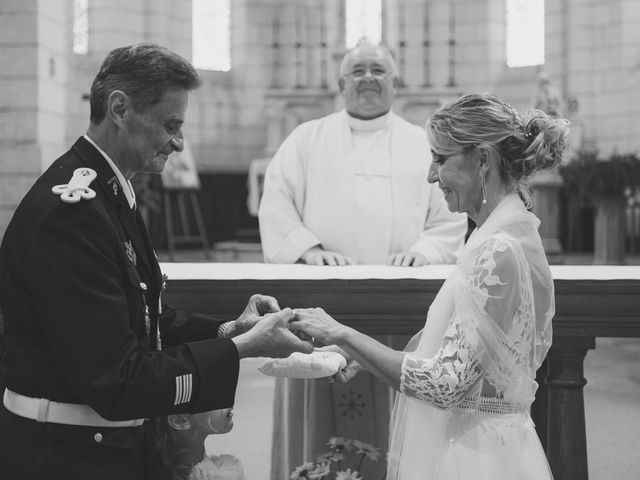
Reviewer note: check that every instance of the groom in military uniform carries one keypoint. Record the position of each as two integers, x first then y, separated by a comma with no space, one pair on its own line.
92,353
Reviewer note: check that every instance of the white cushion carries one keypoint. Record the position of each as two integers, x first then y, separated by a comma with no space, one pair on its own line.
317,364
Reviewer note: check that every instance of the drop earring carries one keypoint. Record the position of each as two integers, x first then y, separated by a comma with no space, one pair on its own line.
484,192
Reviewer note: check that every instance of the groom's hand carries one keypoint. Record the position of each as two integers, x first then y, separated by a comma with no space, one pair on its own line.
258,306
271,337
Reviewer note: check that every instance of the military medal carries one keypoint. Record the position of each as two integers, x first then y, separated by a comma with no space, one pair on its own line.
130,251
147,322
158,339
114,184
162,289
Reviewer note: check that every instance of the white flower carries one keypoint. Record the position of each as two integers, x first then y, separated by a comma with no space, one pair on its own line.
348,475
302,471
321,470
339,443
222,467
369,450
337,457
325,457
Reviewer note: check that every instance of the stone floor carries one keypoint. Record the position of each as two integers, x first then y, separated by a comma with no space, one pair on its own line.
612,398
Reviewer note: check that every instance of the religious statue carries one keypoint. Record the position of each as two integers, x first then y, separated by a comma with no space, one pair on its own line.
547,97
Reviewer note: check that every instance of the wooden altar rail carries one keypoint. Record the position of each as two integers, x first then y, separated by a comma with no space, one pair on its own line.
591,301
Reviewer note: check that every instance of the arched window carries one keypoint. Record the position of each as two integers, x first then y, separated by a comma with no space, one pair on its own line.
363,21
212,34
81,27
525,32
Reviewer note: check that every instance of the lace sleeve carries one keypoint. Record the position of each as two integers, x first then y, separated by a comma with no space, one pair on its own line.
444,379
499,317
485,338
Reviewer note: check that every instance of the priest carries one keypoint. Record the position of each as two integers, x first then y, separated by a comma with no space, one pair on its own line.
351,188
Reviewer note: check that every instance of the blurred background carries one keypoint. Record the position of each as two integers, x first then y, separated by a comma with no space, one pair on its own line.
268,65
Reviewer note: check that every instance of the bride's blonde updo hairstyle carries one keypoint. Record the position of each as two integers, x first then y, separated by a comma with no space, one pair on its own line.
524,144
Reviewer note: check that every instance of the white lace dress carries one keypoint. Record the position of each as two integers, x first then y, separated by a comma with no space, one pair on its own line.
463,407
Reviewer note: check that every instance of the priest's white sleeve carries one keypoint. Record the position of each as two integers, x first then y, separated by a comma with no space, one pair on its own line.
443,236
283,234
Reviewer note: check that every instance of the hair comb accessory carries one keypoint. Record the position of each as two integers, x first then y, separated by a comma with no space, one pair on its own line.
519,118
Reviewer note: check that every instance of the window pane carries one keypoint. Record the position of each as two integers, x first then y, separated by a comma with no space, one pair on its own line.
81,27
363,21
525,32
212,34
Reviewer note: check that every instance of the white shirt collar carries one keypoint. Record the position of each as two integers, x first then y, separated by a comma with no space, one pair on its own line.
125,184
377,123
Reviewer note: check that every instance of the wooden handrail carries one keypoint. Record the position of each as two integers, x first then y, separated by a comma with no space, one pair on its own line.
395,301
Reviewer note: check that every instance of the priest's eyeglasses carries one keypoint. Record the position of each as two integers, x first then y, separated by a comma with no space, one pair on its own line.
360,73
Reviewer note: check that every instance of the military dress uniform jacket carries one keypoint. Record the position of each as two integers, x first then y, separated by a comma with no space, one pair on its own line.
80,292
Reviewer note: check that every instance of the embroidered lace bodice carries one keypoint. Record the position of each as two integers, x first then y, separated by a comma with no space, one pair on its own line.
494,343
462,406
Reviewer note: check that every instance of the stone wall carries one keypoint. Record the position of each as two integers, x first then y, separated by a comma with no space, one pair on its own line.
33,40
285,58
592,50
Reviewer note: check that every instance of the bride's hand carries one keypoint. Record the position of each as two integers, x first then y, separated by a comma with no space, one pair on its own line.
349,371
318,324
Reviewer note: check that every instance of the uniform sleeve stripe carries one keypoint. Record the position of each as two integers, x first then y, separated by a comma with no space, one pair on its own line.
184,389
189,388
176,401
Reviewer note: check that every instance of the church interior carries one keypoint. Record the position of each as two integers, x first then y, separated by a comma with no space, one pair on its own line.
269,65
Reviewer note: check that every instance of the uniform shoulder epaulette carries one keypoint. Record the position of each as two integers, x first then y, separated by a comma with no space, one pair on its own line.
78,186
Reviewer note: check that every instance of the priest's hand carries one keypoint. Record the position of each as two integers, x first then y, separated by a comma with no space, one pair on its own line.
407,259
318,256
271,337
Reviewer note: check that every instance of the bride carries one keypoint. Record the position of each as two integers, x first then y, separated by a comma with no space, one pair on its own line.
466,381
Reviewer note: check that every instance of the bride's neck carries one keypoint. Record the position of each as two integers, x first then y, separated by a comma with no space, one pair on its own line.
494,197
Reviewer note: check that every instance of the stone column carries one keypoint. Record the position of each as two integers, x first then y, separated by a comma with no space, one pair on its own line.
33,46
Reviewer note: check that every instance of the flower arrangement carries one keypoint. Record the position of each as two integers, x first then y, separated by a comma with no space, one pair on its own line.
330,464
218,467
588,175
